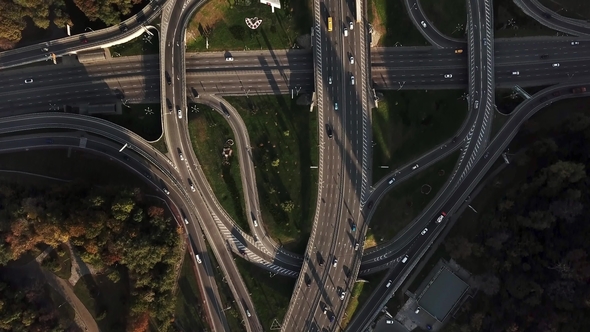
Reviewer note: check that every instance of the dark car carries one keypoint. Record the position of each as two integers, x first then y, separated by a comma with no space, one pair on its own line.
83,40
353,227
556,93
544,56
546,15
49,140
329,130
454,139
169,104
370,205
123,28
168,79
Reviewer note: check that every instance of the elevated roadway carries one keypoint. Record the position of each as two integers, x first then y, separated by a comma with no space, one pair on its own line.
553,20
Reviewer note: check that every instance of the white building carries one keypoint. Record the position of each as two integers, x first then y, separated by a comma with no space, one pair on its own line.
272,3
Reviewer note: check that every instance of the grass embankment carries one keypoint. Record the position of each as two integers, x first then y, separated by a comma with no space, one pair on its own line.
360,294
284,141
407,200
223,22
107,301
511,21
408,124
142,45
390,20
143,119
190,312
209,132
449,22
270,295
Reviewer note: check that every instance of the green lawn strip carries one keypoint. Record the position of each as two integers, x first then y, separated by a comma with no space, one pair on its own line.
137,46
234,318
65,311
270,295
160,145
59,262
56,163
143,119
190,315
360,294
278,30
449,22
408,124
284,143
391,18
209,131
108,302
505,11
407,200
576,9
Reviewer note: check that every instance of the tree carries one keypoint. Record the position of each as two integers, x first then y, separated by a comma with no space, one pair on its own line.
275,163
287,206
459,247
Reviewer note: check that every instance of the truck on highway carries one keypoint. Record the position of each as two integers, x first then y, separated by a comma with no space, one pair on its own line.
579,90
329,23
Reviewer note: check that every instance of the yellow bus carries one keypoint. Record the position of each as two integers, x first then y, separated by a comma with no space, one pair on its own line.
329,23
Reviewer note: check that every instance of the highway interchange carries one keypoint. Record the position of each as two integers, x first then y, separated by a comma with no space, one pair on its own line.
345,156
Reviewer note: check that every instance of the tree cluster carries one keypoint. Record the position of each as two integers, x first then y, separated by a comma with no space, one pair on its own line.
535,243
15,15
26,309
109,226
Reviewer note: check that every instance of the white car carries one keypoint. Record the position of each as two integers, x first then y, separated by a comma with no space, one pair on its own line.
351,25
448,75
193,188
415,167
575,43
389,321
356,246
180,154
342,294
345,32
335,106
391,181
555,65
248,313
405,259
329,79
476,104
423,24
198,259
351,79
440,218
255,222
351,59
388,283
166,191
229,58
29,80
335,262
179,112
515,73
424,231
185,220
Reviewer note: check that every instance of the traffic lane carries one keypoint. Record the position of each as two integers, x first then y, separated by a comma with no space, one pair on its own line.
252,84
277,58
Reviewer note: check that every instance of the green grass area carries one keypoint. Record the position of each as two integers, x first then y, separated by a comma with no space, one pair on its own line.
142,45
57,163
107,301
284,141
160,145
209,131
190,314
407,199
270,295
223,21
409,123
569,8
511,21
390,19
65,311
448,22
59,262
234,318
143,119
360,294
